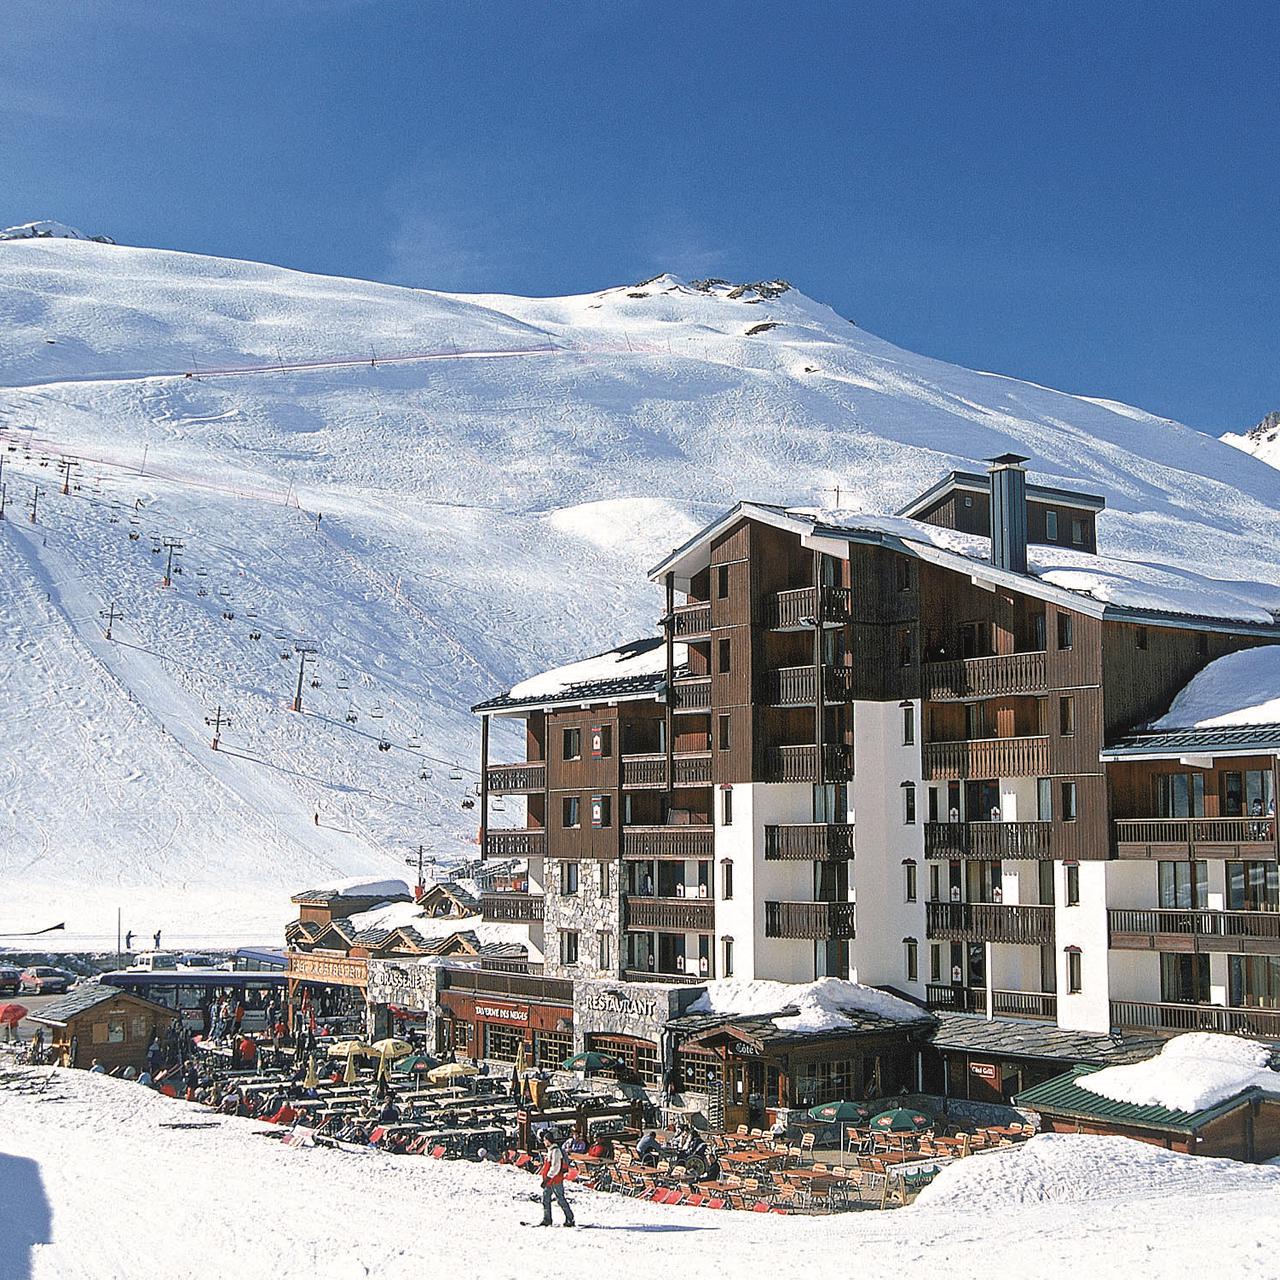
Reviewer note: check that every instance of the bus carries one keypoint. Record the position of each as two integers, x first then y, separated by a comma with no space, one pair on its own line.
192,992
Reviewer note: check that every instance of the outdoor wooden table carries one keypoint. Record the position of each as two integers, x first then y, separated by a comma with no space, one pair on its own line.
757,1159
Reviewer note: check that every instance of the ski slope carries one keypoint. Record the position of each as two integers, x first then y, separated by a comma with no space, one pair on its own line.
440,495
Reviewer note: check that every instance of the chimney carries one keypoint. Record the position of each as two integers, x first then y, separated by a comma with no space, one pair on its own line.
1008,512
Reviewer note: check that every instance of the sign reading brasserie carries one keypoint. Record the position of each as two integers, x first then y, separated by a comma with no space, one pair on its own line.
342,970
412,986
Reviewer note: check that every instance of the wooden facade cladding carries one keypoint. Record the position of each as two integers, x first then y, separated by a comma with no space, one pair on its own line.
988,922
818,921
508,778
671,915
809,842
988,840
1026,757
797,608
1173,1019
528,842
518,907
1172,930
970,512
691,694
1196,837
692,841
1005,1004
735,557
982,677
588,775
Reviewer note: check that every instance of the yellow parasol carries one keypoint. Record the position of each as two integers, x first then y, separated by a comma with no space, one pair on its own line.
451,1071
392,1048
348,1049
350,1075
521,1064
312,1080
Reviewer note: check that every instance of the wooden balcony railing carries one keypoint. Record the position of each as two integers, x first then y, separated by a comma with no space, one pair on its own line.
796,686
1009,1004
980,677
1163,928
1147,1016
691,693
988,758
669,842
656,975
989,840
820,921
671,915
519,907
518,843
800,764
809,842
691,770
518,777
552,990
1223,837
693,619
794,610
988,922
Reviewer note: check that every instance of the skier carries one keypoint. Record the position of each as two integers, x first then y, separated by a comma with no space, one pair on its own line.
552,1172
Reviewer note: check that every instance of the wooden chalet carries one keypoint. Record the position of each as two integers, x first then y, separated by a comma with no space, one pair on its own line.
103,1022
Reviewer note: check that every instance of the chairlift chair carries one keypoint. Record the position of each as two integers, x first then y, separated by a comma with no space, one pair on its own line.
424,774
202,592
133,535
455,773
255,635
344,683
383,745
285,655
377,712
315,684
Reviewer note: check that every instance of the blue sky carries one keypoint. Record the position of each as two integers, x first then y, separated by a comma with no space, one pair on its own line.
1083,194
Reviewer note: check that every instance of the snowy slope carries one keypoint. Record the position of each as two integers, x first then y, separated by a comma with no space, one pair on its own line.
443,495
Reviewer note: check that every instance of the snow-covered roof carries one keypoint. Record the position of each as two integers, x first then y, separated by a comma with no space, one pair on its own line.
1080,580
632,670
1191,1073
358,887
397,915
806,1008
1241,689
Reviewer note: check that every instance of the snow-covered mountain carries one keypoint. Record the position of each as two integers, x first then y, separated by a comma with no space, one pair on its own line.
47,228
1262,441
440,494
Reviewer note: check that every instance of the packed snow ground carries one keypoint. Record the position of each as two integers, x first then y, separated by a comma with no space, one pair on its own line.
443,495
222,1201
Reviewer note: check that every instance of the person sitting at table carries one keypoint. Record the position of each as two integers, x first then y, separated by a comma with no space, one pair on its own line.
390,1113
575,1144
601,1149
647,1148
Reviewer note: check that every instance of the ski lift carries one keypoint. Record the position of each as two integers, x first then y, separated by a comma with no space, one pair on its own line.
44,462
414,742
202,572
224,592
255,635
468,803
251,613
344,683
202,592
351,714
383,745
499,804
155,551
134,535
315,684
282,635
285,655
228,615
455,773
377,712
424,774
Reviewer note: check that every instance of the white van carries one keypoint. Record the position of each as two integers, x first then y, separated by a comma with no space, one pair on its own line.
154,961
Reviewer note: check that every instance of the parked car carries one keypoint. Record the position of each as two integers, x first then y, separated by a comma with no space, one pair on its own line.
10,980
41,980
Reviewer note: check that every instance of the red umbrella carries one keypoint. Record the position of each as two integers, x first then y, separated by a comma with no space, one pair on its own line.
12,1014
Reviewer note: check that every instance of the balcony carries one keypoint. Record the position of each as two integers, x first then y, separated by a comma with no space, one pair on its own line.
1171,929
671,979
810,842
644,771
1135,1015
691,693
671,915
669,842
1040,1005
988,922
519,908
692,619
988,758
987,840
798,610
797,686
1004,673
800,764
817,921
515,844
518,777
1199,837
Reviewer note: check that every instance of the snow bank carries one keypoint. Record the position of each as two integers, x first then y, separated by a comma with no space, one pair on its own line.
825,1005
356,887
1242,688
639,658
1190,1073
1060,1168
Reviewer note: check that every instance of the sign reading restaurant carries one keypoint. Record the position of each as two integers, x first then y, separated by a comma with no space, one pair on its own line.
618,1000
307,966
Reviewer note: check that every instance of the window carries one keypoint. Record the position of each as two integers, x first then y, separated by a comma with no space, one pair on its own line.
1077,532
568,946
604,941
726,656
831,803
462,1034
904,574
1180,795
551,1048
1202,644
1253,982
1253,886
569,813
726,880
115,1030
726,807
601,812
722,582
909,871
572,744
1072,870
1140,637
909,803
726,957
601,741
908,726
1066,715
1184,885
1075,983
1051,525
935,963
726,732
905,653
1046,884
913,960
568,878
604,879
1184,979
1064,630
1068,802
1044,799
502,1044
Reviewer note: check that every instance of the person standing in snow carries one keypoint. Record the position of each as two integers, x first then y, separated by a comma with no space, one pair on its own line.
128,941
552,1171
157,939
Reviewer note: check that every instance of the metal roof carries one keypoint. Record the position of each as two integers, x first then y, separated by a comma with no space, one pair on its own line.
1063,1096
1012,1038
620,688
84,998
1237,739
